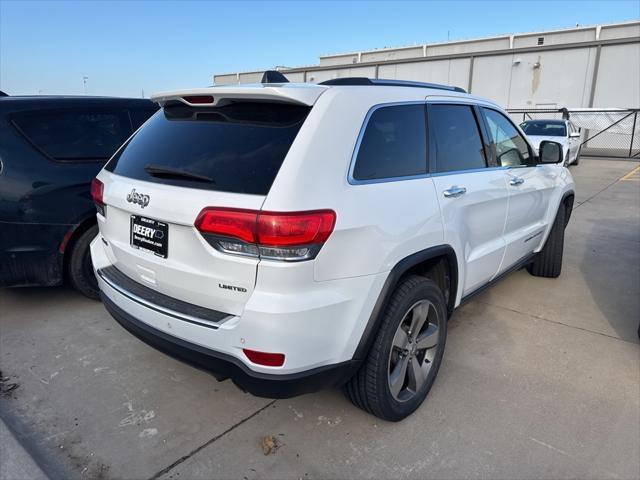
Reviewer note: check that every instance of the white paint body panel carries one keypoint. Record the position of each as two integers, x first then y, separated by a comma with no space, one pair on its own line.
316,311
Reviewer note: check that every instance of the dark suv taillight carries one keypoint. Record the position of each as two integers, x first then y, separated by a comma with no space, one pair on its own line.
288,236
97,191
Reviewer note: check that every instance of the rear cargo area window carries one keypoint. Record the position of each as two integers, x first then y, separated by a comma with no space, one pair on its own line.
238,147
75,134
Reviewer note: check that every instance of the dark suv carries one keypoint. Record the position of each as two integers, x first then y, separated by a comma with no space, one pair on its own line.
50,150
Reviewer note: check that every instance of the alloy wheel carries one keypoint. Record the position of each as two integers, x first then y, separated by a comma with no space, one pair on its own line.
413,350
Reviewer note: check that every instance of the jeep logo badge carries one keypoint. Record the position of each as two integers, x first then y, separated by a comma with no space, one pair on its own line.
140,199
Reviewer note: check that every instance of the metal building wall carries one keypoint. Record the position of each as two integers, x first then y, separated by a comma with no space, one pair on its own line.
595,66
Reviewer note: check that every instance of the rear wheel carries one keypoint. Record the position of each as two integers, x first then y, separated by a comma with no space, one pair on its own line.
406,355
548,263
80,268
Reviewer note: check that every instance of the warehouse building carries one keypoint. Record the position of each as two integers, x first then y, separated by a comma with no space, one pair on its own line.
595,66
593,72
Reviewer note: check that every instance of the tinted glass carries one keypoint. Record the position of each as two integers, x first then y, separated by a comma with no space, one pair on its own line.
511,149
394,144
239,147
456,138
75,135
139,116
544,128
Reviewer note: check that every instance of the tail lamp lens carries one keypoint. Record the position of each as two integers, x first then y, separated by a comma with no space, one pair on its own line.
97,192
289,236
264,358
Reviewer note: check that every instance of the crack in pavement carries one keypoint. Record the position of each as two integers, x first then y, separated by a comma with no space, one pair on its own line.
600,191
209,442
539,317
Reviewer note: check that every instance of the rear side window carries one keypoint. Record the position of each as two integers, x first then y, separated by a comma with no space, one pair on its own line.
75,134
455,138
394,144
235,148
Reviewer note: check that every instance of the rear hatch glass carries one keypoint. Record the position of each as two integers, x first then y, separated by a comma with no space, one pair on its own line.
238,147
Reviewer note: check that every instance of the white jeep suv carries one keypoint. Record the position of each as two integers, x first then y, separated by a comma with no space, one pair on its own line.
295,236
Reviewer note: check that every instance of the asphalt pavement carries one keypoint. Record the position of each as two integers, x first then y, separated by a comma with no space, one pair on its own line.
540,379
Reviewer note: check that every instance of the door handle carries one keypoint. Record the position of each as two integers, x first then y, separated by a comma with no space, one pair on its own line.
516,181
454,192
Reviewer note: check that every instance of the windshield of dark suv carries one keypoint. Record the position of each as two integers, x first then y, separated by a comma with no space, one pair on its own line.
544,128
238,147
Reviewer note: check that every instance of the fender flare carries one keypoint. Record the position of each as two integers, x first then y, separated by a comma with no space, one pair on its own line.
565,195
395,274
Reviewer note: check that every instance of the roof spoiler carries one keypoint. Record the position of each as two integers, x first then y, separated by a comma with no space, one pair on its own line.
273,76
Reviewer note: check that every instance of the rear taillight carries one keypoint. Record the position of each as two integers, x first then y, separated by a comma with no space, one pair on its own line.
288,236
97,191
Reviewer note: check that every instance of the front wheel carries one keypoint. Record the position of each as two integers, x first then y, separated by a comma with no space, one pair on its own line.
404,360
548,262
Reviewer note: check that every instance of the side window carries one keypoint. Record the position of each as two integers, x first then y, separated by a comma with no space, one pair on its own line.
456,142
75,135
139,116
394,144
511,149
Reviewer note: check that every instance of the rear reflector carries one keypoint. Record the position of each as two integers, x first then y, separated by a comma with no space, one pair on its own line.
199,99
290,236
264,358
97,192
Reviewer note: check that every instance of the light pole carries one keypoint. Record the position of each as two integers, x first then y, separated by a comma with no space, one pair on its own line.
84,84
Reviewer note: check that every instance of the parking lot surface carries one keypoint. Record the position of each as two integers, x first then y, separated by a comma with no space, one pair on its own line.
541,379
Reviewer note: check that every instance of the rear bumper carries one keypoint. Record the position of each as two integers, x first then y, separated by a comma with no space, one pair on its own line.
222,365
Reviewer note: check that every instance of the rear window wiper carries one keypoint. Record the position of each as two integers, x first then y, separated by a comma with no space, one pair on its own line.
170,172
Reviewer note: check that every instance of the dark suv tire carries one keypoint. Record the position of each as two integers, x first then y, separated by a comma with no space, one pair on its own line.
404,359
548,262
80,268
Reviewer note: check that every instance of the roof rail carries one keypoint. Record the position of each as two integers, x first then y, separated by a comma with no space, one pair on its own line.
389,83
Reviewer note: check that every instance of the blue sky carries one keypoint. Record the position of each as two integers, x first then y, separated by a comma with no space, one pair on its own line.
126,47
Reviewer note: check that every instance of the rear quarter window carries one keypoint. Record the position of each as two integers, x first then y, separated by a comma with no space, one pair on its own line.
239,146
75,134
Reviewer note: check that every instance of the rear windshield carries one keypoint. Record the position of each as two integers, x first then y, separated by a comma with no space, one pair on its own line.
546,129
235,148
75,134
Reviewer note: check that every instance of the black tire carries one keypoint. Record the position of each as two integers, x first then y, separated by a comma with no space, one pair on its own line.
369,389
548,262
80,268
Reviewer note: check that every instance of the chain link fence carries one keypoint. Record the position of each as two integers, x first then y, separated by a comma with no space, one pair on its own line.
613,132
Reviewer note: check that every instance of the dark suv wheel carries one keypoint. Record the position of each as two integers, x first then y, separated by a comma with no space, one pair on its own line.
80,268
406,355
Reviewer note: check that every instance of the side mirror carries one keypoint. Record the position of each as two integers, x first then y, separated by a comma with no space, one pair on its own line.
550,152
574,134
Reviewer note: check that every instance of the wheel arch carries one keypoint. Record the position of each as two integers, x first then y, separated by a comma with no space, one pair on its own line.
567,200
422,263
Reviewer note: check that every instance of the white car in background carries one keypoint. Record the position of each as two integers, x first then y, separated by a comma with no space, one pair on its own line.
562,131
